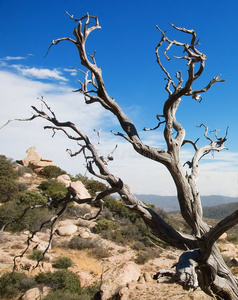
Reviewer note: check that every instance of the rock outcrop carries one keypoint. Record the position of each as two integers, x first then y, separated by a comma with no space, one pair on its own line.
35,161
66,228
117,277
78,186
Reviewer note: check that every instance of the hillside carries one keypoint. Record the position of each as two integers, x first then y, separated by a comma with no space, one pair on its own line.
95,259
170,203
220,211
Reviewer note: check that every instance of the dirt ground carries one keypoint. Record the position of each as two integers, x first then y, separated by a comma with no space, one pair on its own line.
13,244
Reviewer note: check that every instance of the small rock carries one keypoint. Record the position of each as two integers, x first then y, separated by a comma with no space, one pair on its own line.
85,235
64,179
139,287
147,277
141,279
232,263
35,239
45,291
32,294
222,237
42,246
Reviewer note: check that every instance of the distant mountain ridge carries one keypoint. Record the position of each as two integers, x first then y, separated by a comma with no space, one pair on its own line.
170,203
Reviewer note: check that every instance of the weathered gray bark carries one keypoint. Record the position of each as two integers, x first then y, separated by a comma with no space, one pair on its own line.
201,264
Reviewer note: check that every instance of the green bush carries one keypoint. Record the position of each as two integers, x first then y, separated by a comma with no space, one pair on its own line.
94,186
12,284
141,258
118,208
60,280
80,177
232,238
23,170
7,168
63,263
36,254
56,295
138,245
100,252
53,189
22,186
31,221
8,189
30,198
80,243
147,254
105,224
86,293
51,172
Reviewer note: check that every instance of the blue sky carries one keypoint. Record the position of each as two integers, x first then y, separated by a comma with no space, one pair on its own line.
125,51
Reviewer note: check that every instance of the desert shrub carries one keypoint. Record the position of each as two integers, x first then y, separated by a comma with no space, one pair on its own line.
36,254
73,211
23,170
9,212
11,284
31,221
60,280
80,177
100,252
118,208
94,186
86,293
138,245
107,214
141,258
105,224
56,295
146,254
130,231
51,172
80,243
8,189
232,238
6,168
63,263
28,198
53,189
115,236
22,186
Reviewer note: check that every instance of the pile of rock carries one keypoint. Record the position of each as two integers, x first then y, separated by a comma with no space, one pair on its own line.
35,161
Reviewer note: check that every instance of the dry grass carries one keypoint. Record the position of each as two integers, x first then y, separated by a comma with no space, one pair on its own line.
81,259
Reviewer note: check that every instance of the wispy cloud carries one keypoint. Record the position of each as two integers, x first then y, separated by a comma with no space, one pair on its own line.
218,175
13,58
72,71
40,73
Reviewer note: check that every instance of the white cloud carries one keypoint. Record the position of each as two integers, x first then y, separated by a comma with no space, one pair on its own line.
13,58
40,73
218,175
72,71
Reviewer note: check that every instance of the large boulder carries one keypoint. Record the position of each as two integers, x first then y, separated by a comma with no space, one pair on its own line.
117,277
67,228
35,161
78,186
80,189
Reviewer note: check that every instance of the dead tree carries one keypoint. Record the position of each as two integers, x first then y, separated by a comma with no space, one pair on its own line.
201,264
